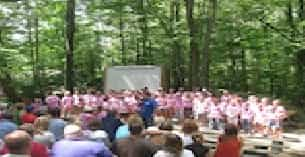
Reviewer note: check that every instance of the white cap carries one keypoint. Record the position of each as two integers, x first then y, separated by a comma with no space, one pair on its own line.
72,129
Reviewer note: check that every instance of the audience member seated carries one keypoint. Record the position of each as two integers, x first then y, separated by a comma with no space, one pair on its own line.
135,145
95,133
229,144
196,147
6,124
110,124
56,124
42,134
37,149
123,131
18,144
28,116
158,137
189,127
173,147
75,145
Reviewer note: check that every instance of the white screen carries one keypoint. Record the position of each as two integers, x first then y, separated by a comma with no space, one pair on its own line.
132,77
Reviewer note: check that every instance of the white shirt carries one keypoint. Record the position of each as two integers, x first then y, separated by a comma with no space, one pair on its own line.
184,153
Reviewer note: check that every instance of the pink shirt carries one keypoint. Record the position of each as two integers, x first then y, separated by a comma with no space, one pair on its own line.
171,100
36,106
67,101
162,103
86,98
187,103
246,113
53,101
233,111
214,112
93,101
99,100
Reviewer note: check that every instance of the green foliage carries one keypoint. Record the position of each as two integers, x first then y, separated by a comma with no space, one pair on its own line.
253,48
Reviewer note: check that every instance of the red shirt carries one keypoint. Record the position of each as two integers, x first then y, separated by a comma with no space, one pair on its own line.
37,150
228,148
28,118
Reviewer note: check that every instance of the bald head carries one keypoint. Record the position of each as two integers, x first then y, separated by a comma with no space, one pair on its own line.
18,142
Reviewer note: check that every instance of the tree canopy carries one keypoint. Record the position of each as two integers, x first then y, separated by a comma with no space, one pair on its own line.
247,46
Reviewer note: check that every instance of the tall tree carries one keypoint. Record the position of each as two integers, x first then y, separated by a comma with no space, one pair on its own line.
194,54
70,28
207,42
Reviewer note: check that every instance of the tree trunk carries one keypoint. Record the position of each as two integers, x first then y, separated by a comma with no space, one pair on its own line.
37,65
173,63
138,56
150,54
124,58
244,77
194,55
70,29
144,30
179,54
30,42
301,10
207,42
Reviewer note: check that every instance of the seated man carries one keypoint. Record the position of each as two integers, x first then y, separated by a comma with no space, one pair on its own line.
37,149
135,145
74,145
18,144
6,124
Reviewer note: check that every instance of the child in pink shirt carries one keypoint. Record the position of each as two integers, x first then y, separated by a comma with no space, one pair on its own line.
187,105
233,112
246,118
53,101
37,104
214,115
66,103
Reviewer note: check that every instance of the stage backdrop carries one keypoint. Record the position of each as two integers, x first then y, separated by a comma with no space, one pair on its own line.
132,77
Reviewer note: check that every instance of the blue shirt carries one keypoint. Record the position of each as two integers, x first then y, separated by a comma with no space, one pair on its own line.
6,127
56,126
79,148
122,132
110,124
148,107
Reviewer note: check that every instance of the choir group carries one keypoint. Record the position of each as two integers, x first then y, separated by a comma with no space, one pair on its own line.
252,115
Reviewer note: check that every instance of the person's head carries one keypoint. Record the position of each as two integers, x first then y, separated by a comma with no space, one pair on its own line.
135,125
18,142
265,101
73,131
231,130
189,126
55,113
7,115
41,123
94,125
173,144
167,125
27,127
29,109
276,102
112,113
197,137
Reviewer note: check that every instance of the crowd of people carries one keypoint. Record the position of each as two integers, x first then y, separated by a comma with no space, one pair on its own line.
134,123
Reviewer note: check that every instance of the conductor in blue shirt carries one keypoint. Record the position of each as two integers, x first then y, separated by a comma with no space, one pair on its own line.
147,108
